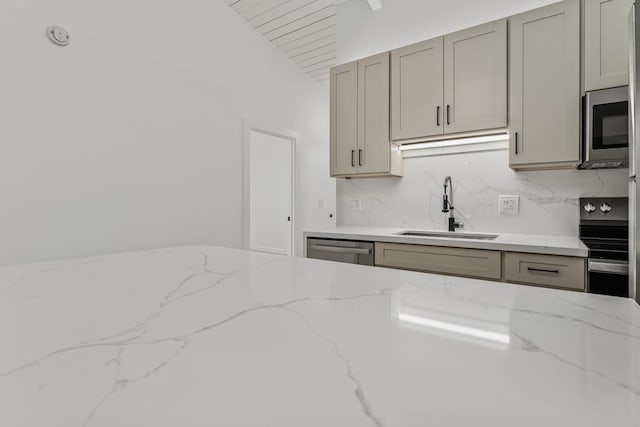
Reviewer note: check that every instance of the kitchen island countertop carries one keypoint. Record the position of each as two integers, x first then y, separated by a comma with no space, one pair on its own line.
206,336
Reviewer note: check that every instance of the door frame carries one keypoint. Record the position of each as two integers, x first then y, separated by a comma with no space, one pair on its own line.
248,128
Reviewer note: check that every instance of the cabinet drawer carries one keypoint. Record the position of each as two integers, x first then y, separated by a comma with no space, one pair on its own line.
435,259
547,270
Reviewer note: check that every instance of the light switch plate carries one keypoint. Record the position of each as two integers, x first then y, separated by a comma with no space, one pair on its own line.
509,205
353,204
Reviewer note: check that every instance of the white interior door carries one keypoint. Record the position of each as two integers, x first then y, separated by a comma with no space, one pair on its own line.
270,193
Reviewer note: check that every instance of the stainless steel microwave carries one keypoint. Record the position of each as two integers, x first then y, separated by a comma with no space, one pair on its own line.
606,128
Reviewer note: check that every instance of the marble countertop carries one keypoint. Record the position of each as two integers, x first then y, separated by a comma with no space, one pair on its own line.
530,243
206,336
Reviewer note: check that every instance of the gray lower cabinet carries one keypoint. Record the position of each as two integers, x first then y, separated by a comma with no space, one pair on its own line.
545,270
434,259
555,271
544,87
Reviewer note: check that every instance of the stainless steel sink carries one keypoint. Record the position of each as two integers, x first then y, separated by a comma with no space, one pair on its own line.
447,234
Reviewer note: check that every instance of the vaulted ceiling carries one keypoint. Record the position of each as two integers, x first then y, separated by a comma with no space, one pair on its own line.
304,30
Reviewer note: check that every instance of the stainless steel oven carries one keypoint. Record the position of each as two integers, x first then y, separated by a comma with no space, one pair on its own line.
604,229
606,128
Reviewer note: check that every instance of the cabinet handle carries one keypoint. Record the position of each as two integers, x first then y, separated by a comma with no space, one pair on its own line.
353,160
516,143
448,114
542,270
438,115
359,157
340,249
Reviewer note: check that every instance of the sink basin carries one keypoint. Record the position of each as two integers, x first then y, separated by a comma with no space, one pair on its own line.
447,234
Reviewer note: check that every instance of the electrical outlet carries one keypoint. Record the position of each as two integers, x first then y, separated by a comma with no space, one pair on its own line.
509,205
353,204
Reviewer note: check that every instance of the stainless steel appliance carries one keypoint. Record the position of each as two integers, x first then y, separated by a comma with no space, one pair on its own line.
349,251
606,128
604,229
634,133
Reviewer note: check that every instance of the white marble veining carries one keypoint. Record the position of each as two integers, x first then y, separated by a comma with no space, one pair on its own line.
204,336
548,199
529,243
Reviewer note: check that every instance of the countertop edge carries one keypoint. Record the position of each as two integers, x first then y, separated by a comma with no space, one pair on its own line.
456,243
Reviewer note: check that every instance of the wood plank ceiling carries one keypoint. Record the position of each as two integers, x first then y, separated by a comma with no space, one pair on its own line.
304,30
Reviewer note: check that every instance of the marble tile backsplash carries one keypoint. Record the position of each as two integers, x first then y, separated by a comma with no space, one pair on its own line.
548,199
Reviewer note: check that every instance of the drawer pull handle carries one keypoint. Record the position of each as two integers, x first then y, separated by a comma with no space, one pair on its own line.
542,270
340,250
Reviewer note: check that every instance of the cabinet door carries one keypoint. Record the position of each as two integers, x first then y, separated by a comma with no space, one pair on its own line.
475,78
373,114
456,261
417,90
544,91
344,119
606,46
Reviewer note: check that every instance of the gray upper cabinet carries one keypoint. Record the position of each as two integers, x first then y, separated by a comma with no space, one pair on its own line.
544,90
344,119
360,144
475,78
606,26
451,84
522,73
417,90
373,114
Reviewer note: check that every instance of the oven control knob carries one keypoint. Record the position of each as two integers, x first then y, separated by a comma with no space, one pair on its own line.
589,208
605,208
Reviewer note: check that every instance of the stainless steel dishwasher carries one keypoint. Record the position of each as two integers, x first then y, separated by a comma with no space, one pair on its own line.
349,251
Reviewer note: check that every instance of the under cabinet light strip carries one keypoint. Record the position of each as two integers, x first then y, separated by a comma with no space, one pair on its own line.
455,142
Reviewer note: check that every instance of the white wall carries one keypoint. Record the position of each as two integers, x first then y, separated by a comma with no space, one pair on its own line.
131,137
549,199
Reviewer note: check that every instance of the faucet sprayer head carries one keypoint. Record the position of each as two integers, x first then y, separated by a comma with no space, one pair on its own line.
445,204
